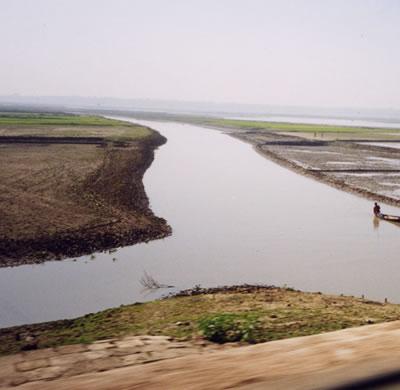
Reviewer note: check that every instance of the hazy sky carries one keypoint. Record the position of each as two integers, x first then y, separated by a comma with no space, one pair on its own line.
279,52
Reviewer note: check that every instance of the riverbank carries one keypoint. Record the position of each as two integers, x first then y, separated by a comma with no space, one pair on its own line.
358,358
72,185
244,314
362,161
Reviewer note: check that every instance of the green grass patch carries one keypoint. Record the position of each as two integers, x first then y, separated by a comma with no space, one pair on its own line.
293,127
264,315
30,119
232,327
62,125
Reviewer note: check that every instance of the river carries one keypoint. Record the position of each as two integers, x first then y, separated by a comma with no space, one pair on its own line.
237,218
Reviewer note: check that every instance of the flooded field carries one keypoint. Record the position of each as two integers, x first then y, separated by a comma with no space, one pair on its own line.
237,218
354,165
392,145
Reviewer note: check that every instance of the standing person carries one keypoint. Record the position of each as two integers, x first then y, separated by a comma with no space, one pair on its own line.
377,209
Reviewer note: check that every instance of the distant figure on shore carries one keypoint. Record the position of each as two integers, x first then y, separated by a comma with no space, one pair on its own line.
377,209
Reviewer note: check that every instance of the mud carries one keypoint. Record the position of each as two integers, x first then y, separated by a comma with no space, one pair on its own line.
60,201
241,288
349,165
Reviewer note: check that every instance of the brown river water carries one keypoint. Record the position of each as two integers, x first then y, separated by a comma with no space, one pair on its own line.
237,218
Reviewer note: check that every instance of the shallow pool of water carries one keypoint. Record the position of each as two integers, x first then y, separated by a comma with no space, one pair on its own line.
393,145
237,218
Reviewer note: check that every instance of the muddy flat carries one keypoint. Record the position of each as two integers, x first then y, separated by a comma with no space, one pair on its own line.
71,189
39,181
361,160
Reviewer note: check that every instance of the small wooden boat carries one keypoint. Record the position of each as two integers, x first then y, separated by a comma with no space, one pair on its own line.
390,218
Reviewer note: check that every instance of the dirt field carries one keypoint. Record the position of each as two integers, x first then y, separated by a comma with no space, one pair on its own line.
62,199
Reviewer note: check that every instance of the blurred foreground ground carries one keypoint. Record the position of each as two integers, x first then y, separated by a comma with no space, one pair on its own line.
363,357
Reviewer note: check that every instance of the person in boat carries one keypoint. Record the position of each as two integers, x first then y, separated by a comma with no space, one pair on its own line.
377,209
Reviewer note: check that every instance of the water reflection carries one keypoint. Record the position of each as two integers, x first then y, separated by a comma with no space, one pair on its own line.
376,222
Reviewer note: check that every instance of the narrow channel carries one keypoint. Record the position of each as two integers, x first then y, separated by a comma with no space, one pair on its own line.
237,218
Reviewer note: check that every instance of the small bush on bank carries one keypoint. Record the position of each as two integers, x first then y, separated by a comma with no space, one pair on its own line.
231,327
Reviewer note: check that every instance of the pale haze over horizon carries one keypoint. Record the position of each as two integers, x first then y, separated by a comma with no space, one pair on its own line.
337,53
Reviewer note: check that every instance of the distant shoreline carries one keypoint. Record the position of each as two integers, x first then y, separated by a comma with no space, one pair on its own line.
356,158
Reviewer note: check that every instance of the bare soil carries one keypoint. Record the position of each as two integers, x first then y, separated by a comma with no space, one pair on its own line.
358,358
62,199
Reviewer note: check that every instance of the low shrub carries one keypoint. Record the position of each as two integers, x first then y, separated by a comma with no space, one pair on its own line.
231,327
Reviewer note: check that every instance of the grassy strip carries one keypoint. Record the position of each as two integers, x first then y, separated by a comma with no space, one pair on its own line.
253,315
56,119
62,125
293,127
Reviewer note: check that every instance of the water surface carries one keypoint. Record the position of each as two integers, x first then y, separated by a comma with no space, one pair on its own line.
236,218
383,144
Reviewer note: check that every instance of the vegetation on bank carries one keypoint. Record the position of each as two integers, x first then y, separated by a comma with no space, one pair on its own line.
293,127
243,313
69,125
29,119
